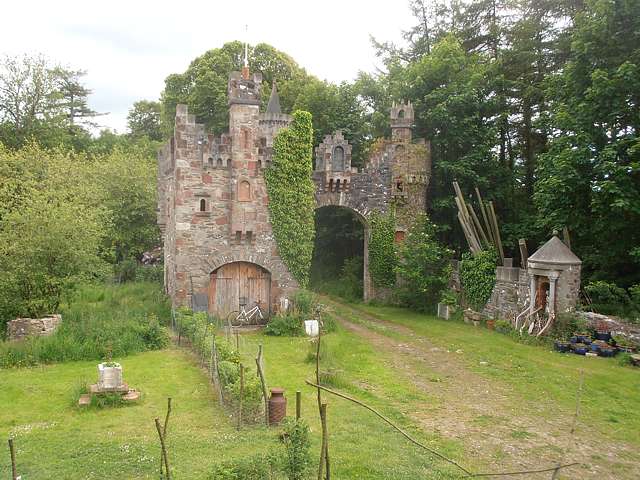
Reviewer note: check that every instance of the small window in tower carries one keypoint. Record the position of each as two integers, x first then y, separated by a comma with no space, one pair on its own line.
331,185
249,236
338,159
338,185
211,161
401,114
245,139
238,237
399,186
259,163
244,191
219,162
203,205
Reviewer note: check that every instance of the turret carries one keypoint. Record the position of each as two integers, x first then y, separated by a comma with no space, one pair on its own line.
401,121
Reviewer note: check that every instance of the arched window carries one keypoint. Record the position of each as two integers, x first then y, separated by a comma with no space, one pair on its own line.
211,161
338,185
338,159
244,191
219,162
203,205
401,114
331,185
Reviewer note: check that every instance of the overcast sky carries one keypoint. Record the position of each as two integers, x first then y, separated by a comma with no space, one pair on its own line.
129,47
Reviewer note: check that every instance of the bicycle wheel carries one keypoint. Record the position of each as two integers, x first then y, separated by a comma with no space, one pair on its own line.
231,318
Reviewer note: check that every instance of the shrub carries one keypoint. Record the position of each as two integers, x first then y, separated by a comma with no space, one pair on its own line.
297,445
150,273
477,277
607,297
256,467
566,324
285,325
502,326
251,398
125,271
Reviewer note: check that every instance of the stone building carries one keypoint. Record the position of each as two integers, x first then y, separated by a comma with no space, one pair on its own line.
219,248
549,285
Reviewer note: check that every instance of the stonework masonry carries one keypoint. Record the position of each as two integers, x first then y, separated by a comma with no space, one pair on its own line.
21,328
219,248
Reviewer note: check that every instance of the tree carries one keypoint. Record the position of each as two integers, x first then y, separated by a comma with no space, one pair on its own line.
42,101
144,120
589,180
424,266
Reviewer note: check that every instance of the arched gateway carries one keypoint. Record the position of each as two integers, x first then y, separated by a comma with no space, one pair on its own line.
218,240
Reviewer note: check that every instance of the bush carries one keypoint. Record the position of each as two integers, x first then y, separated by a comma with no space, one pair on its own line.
297,445
424,266
566,324
252,395
150,273
477,277
608,298
125,271
288,324
256,467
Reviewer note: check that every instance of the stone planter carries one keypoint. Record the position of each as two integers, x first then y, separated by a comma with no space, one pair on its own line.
109,377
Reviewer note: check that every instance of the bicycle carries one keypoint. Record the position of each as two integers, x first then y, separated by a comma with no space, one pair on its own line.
245,317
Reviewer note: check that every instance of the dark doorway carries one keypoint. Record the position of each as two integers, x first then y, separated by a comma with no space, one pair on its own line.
338,255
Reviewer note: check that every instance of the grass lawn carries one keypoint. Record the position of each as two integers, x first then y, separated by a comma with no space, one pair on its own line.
610,399
56,439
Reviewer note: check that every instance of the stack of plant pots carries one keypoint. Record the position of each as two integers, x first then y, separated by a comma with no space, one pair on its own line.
597,343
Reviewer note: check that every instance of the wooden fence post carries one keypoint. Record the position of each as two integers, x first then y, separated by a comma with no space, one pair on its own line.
298,404
14,468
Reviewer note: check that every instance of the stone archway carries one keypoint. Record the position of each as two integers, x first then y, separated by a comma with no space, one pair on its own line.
367,290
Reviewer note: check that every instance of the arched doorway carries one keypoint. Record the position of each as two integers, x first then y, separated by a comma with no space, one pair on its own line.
339,265
239,282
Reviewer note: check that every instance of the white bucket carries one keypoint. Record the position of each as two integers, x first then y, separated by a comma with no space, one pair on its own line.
312,327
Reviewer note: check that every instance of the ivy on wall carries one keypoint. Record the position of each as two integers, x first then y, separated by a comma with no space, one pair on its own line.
291,195
382,254
477,277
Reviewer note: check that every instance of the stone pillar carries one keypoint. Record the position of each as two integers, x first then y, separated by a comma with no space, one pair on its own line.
367,285
532,293
553,279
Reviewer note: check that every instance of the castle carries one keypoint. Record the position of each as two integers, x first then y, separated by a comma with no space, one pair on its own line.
219,248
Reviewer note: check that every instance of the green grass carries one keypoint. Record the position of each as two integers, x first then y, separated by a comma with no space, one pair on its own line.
610,402
97,321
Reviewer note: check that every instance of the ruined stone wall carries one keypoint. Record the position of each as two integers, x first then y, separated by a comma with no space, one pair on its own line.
510,294
21,328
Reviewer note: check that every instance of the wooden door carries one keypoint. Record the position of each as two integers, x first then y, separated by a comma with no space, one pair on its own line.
237,280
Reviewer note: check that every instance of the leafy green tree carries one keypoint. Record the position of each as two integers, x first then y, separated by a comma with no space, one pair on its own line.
424,266
291,195
144,120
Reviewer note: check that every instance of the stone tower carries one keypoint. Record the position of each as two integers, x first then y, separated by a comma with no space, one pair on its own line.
401,121
213,207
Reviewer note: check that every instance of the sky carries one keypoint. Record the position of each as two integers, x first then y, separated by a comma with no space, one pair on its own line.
129,47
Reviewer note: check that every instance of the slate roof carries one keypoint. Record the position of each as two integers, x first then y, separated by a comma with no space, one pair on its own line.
274,101
555,252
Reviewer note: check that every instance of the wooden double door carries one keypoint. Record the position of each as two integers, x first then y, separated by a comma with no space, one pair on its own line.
238,281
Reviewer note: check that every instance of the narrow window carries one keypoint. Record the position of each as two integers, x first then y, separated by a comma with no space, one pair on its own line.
238,237
331,185
401,114
203,205
249,235
259,163
211,161
399,186
245,139
338,159
219,162
338,185
244,191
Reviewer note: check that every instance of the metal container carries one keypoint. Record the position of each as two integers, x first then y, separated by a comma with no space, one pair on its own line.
277,406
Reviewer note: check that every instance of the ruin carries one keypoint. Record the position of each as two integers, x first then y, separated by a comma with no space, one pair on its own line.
219,248
21,328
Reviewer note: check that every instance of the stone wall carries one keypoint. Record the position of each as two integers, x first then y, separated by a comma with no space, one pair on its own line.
21,328
510,294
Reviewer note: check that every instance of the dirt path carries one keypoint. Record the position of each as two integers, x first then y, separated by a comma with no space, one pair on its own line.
494,423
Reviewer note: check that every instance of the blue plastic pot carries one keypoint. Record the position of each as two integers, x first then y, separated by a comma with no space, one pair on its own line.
607,352
602,335
562,346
